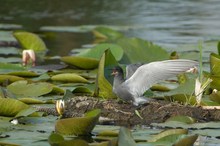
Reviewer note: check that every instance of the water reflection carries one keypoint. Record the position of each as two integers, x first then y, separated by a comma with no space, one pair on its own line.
169,22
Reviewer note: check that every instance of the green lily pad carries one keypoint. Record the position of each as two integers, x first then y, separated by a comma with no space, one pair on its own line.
125,138
99,49
103,87
138,50
8,144
186,140
184,119
81,62
11,107
10,59
166,133
56,139
215,84
106,33
10,78
25,112
7,67
215,64
215,96
184,92
29,100
78,125
24,73
30,41
9,51
6,36
82,90
23,88
69,77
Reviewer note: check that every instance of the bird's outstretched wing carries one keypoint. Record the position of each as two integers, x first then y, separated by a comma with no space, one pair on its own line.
131,68
149,74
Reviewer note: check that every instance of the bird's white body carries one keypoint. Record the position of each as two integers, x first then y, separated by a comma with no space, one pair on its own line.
146,76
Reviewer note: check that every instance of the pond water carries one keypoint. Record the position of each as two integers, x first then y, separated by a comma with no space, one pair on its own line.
165,22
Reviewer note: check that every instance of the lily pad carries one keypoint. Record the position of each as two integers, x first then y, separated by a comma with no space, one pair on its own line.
186,140
215,64
29,100
7,67
81,62
23,88
9,51
10,78
69,77
82,90
138,50
99,49
30,41
215,84
11,107
106,33
78,125
103,87
25,112
184,119
56,139
215,96
24,73
125,138
167,133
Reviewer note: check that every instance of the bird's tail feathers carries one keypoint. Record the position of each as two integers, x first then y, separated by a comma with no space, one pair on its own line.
140,100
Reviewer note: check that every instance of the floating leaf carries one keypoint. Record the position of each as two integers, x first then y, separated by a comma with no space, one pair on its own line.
186,141
165,133
29,100
69,77
30,41
7,67
23,88
184,92
125,138
82,89
215,64
81,62
99,49
184,119
215,84
106,33
25,112
55,139
10,107
103,86
215,96
9,78
24,73
74,142
78,125
8,144
138,50
9,51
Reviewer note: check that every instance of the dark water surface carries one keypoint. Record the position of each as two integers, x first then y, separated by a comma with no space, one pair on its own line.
166,22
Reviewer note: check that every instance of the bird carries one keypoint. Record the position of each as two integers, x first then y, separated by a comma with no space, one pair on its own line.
140,77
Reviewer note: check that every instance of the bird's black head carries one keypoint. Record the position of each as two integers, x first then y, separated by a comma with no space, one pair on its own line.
117,70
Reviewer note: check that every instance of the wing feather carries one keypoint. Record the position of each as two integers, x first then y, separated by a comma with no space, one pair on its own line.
149,74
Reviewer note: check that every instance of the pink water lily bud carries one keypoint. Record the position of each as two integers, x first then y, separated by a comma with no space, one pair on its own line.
28,55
